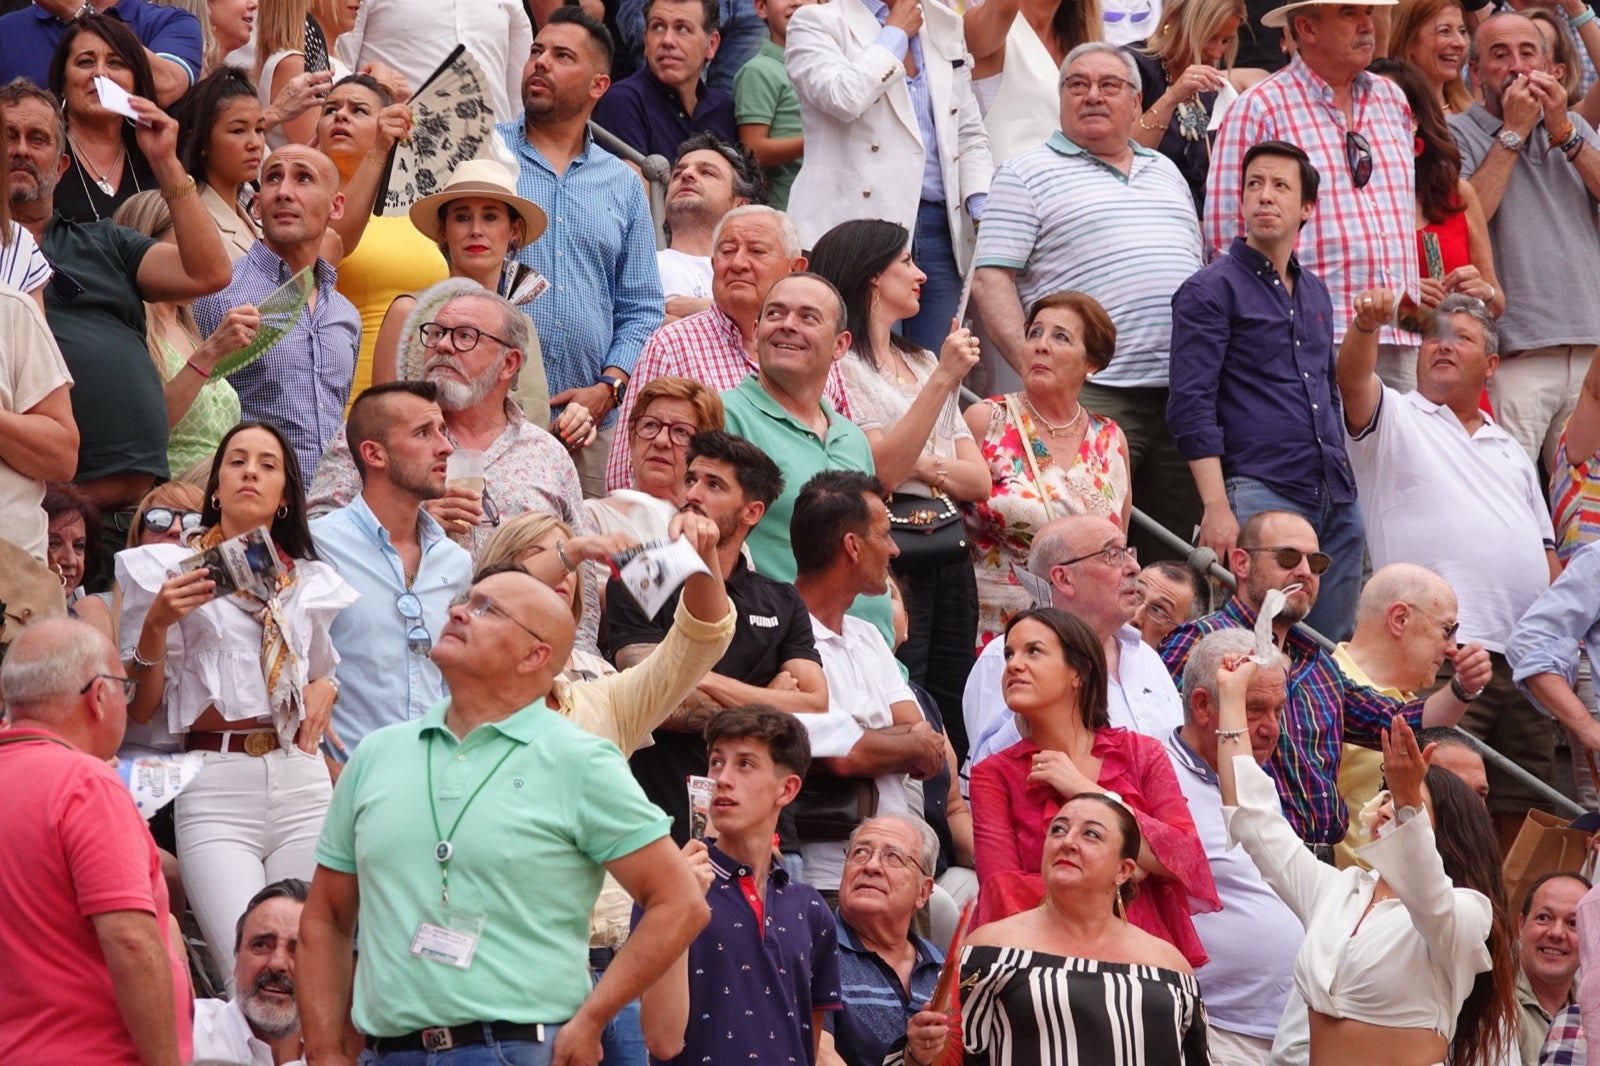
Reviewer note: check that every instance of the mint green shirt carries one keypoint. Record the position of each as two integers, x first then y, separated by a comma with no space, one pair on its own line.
763,96
527,859
801,455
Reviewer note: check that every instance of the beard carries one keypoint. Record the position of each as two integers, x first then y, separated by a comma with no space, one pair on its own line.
269,1019
462,395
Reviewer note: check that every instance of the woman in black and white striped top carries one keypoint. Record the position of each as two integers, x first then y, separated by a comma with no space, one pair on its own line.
1072,980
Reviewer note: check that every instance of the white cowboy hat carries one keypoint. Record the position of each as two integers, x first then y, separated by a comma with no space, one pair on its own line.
1278,17
479,177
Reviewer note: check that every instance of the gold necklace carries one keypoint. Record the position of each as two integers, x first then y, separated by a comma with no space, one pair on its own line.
1054,430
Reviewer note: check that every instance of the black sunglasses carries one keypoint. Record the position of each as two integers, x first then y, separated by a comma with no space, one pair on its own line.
1289,558
1358,157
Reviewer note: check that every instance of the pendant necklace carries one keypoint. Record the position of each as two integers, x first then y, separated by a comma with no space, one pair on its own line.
1055,430
101,178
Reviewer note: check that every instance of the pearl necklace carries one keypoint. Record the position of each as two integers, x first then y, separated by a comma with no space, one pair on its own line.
1054,430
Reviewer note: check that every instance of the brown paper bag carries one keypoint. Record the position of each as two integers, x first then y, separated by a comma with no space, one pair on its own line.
1544,843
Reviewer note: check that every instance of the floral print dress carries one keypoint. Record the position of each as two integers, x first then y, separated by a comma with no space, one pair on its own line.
1002,527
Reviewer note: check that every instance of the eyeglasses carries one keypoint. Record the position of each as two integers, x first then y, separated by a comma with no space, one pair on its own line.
462,338
491,513
890,856
1450,628
1156,613
680,433
1358,157
160,519
1289,558
418,640
1114,553
478,605
130,687
1078,85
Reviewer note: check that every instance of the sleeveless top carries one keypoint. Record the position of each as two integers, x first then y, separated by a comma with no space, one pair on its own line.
1453,243
1002,527
393,259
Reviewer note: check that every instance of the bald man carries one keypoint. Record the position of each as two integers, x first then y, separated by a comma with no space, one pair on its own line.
93,974
302,383
483,829
1405,631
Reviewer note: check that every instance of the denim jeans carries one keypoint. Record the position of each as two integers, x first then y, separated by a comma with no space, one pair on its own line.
933,251
492,1053
622,1040
1341,536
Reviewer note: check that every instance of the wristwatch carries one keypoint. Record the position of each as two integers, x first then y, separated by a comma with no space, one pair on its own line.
1402,815
86,9
619,387
1510,140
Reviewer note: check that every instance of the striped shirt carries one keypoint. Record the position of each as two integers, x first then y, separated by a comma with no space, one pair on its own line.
706,347
599,254
1065,219
1324,709
1574,501
1357,238
22,265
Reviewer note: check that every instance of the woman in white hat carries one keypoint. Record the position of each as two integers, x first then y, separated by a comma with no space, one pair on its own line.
478,221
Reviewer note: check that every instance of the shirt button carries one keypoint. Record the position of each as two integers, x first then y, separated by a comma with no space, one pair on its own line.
866,194
461,758
874,148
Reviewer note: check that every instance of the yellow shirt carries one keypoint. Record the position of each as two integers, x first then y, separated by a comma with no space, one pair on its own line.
1360,769
393,259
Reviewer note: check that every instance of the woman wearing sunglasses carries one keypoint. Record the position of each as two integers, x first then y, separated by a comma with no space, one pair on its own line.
668,413
246,678
1055,683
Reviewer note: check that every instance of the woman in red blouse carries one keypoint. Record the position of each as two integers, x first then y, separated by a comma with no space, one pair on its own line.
1055,681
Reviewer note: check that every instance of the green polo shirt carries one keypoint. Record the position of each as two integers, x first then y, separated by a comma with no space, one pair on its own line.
526,857
801,455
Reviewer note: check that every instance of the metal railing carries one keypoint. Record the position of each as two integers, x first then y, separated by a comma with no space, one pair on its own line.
656,169
1205,561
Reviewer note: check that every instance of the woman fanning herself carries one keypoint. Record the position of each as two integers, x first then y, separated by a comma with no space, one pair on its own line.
1055,681
1408,963
246,680
1072,980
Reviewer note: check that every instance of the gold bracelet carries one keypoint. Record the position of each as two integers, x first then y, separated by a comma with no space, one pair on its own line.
186,187
1146,126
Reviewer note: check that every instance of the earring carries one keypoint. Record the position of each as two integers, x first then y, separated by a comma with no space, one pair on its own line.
1116,904
1417,147
216,504
283,510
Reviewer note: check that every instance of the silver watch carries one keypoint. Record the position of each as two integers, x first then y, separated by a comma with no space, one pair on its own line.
1510,140
1402,815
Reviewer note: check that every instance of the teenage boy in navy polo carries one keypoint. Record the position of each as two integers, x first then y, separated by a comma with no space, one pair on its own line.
755,983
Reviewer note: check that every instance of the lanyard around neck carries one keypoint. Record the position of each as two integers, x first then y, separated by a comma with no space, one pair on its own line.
442,851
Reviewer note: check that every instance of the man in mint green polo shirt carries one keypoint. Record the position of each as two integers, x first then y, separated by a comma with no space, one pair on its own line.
471,845
781,410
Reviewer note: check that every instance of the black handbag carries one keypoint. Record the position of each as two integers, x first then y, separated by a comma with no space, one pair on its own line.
927,530
829,807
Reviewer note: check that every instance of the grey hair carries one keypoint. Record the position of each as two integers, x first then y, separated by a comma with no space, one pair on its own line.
1049,548
1089,48
786,230
49,660
930,843
1200,672
1397,583
515,326
1462,304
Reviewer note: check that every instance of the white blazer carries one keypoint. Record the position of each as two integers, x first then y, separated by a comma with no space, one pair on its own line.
863,152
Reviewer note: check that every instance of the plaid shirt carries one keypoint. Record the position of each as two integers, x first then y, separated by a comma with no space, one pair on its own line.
1357,238
706,347
1565,1045
1325,709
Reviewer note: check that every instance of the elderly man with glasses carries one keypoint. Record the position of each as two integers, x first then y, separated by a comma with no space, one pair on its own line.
1091,210
1278,550
1356,129
1445,486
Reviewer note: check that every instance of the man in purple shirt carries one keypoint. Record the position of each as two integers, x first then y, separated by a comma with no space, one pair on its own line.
1253,404
755,983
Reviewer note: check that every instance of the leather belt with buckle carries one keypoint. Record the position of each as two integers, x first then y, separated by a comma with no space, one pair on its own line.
443,1038
257,742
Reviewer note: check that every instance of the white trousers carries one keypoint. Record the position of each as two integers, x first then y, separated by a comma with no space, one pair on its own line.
243,823
1535,393
1236,1049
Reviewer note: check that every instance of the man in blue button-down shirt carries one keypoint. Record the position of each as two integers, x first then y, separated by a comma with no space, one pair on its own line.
397,556
599,251
1253,404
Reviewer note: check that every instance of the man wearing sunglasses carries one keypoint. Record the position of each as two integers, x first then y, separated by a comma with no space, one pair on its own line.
1279,550
1356,129
1445,486
399,559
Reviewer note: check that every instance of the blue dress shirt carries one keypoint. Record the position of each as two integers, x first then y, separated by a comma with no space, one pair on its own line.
1562,622
1252,377
383,679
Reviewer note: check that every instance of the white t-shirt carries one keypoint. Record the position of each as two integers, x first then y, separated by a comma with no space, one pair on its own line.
31,368
684,275
1467,508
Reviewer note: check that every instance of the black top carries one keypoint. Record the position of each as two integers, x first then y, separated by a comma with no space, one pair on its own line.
1193,157
773,626
79,199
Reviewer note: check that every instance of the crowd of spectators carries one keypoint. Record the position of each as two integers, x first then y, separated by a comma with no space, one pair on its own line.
944,320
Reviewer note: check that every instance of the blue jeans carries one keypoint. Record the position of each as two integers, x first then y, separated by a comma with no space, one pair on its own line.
1342,537
932,248
622,1040
493,1053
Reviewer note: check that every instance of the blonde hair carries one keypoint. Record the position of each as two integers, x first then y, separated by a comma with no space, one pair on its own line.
176,495
517,536
1186,25
280,27
148,213
201,10
1410,18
